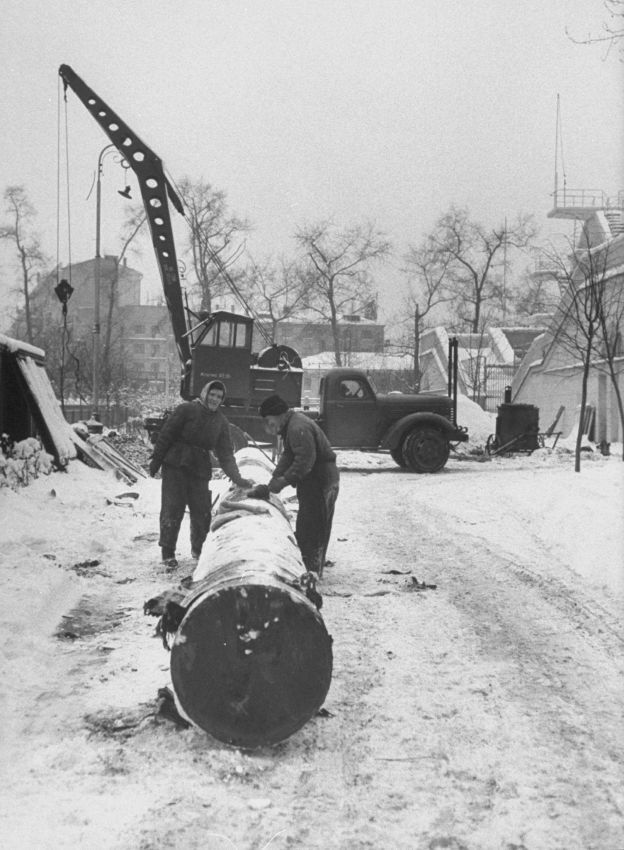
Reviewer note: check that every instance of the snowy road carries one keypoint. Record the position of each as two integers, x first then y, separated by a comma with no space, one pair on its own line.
493,707
484,714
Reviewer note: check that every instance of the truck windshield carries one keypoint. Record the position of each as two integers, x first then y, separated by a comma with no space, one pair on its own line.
226,334
227,331
354,388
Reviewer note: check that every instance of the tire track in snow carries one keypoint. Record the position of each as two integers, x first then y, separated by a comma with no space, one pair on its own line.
467,716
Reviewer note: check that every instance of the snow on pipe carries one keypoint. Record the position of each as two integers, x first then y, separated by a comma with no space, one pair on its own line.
251,660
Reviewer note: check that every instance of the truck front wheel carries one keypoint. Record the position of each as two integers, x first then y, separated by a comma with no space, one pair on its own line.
425,450
397,456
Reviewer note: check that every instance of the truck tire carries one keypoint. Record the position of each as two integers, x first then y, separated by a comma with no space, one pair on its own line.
397,456
425,449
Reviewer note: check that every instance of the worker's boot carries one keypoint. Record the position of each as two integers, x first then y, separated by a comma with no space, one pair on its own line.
314,562
169,559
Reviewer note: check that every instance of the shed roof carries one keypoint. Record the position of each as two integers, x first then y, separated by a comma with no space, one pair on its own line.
57,435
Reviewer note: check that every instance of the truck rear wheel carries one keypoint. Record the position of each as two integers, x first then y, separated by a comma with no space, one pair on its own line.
425,449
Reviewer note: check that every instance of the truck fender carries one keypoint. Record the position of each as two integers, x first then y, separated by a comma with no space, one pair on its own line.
394,437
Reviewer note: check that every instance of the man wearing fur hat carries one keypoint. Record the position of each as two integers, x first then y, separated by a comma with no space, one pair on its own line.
308,463
182,449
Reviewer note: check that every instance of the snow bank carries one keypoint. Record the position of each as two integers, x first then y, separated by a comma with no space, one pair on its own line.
479,422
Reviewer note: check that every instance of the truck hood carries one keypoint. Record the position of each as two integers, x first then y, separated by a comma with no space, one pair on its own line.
400,404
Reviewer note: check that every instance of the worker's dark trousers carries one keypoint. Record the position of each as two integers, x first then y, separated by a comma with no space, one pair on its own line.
317,496
180,489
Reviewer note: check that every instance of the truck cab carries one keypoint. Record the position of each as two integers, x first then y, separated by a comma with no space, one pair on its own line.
221,349
417,429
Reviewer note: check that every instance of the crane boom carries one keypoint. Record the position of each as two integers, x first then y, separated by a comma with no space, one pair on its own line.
155,189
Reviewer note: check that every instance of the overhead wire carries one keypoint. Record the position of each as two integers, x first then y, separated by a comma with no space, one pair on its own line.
58,247
69,244
58,182
64,143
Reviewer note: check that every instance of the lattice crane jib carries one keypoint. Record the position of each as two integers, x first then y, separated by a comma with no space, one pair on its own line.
156,190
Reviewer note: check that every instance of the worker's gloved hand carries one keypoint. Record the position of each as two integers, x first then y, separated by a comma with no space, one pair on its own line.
260,491
243,483
154,466
277,484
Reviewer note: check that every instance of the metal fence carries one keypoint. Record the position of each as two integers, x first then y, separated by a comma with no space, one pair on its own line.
112,417
495,379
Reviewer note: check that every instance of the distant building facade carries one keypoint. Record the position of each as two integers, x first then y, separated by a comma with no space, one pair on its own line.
141,334
487,361
150,348
310,335
550,375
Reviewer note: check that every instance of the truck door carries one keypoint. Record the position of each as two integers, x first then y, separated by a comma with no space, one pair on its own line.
351,414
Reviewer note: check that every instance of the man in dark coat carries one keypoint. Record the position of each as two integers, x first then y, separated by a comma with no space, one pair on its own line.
192,431
308,463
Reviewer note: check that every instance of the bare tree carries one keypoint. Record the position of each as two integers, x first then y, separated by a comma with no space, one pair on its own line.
588,322
537,291
276,289
338,262
48,332
30,257
610,354
426,269
474,258
612,30
213,241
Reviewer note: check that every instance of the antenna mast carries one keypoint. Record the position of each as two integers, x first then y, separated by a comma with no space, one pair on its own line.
559,151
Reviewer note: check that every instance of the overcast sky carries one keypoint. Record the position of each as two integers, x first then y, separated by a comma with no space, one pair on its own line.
381,110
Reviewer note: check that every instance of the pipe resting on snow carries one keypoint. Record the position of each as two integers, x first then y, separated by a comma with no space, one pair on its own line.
251,659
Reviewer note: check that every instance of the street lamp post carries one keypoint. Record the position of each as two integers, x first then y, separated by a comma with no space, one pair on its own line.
97,274
97,277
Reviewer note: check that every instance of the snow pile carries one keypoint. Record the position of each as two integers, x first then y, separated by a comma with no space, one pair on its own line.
23,461
81,669
479,422
363,461
15,346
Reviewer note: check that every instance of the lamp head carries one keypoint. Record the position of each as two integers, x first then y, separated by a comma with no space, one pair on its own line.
63,291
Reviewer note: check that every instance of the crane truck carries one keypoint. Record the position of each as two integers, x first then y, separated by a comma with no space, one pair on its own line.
417,429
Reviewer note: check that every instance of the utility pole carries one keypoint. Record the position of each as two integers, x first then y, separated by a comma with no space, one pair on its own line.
505,272
417,349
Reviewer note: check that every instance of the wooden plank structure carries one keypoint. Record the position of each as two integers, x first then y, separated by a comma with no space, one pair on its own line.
95,450
251,660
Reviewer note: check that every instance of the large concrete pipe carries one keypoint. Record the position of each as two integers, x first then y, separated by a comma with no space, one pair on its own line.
251,660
